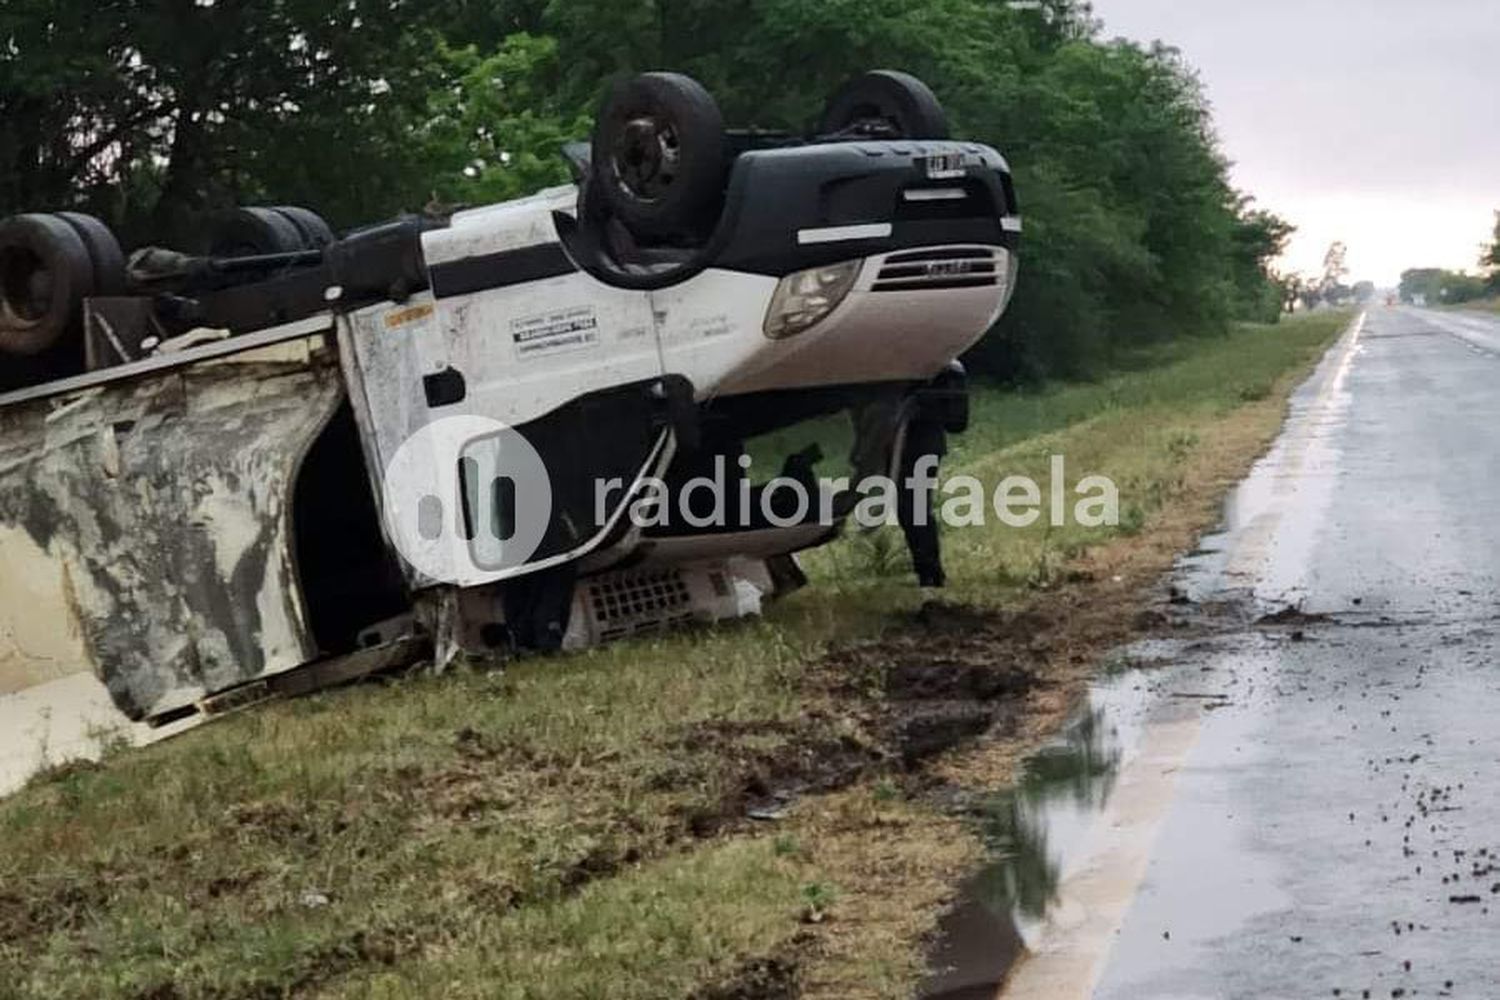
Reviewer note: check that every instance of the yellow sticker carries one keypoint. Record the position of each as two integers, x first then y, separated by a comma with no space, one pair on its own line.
401,317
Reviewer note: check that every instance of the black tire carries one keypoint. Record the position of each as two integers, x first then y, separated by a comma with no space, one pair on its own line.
890,100
658,155
104,251
253,232
316,233
45,274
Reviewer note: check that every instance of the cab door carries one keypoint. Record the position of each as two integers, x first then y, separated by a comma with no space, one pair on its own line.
512,332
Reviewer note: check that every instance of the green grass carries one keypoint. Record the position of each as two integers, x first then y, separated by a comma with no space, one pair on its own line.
1482,305
537,833
1138,427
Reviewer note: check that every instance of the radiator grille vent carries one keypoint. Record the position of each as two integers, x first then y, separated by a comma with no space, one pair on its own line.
625,604
918,270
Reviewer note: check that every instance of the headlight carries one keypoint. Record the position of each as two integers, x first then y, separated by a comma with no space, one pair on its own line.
806,297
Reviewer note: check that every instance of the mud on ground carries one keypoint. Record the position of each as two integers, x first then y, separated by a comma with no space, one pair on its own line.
940,706
938,679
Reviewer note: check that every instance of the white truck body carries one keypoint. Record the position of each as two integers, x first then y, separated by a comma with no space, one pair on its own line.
168,525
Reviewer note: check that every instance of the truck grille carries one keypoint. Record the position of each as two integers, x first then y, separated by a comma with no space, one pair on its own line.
626,603
917,270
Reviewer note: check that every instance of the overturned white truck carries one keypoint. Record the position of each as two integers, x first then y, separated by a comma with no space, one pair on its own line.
196,448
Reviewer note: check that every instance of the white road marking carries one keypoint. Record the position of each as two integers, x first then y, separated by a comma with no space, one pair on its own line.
1299,448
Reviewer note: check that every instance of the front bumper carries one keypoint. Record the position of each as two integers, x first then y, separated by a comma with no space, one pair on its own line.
909,314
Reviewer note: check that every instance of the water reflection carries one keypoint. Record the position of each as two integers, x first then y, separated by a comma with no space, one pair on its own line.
1032,831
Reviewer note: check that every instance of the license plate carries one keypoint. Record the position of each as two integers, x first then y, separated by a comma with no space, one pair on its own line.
941,166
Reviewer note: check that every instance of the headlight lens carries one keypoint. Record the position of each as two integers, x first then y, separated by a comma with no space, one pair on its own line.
807,297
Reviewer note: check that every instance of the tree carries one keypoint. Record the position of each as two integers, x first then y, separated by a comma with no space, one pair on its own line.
147,111
497,129
1459,286
1291,287
1260,238
1435,285
1132,230
1490,259
1420,283
1335,266
1312,295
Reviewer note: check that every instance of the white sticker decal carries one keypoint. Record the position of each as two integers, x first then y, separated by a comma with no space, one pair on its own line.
555,332
708,327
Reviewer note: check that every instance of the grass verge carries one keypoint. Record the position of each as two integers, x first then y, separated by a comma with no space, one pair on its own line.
1481,305
732,813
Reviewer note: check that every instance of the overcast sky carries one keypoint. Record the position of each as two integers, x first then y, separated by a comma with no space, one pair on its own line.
1372,121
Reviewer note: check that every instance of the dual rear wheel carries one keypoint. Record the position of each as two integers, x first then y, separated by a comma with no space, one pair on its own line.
48,265
252,232
51,263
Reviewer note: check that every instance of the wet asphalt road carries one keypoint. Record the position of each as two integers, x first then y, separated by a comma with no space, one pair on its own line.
1320,816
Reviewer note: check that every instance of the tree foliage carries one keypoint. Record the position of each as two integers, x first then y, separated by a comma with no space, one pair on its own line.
1490,257
1436,286
148,111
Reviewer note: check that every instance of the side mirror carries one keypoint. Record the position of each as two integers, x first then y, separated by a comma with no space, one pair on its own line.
580,157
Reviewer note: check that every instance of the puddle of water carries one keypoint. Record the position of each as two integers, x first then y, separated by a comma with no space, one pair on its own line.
1148,652
1038,833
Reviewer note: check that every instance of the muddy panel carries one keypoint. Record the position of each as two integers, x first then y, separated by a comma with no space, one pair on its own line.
145,527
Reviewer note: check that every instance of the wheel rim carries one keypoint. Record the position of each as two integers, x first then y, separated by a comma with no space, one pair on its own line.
26,284
646,158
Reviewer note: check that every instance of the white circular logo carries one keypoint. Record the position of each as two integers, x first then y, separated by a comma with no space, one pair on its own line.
466,499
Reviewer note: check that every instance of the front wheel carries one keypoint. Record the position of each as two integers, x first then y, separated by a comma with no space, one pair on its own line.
658,155
888,103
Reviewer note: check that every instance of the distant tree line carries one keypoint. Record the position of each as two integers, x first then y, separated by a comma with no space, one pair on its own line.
151,112
1489,258
1328,288
1437,286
